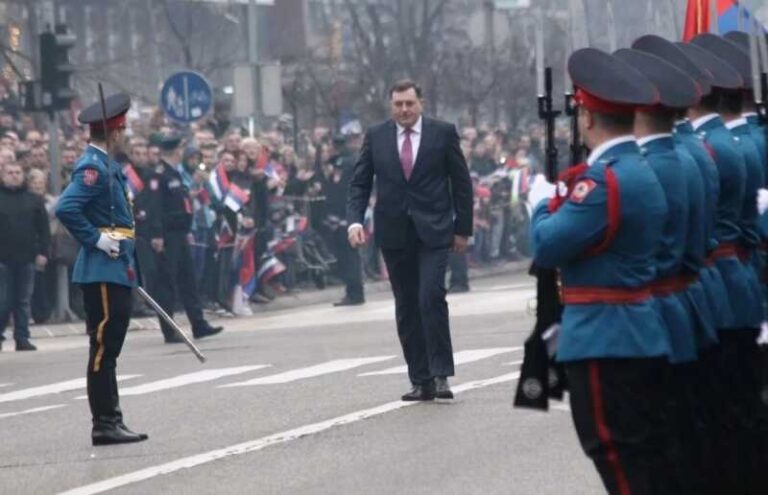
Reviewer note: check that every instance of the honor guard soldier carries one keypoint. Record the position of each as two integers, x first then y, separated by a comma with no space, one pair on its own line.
741,360
603,237
736,333
681,252
175,271
695,383
95,210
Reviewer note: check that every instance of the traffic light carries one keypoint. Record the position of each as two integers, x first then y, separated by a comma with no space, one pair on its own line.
56,68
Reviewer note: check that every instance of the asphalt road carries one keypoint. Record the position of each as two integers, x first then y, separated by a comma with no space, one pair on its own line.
303,401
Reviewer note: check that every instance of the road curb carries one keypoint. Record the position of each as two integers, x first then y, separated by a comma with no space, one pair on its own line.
282,303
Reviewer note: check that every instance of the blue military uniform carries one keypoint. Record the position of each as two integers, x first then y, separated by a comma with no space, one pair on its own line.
84,209
561,239
96,210
665,162
732,175
750,232
711,280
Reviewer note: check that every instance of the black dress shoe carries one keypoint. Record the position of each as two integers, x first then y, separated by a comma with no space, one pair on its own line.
349,302
420,393
206,331
142,436
112,434
25,345
442,389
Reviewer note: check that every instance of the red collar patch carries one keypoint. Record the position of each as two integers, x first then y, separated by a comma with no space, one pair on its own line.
90,176
582,189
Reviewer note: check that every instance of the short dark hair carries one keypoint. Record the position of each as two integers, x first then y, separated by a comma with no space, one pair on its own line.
711,101
731,102
404,85
617,122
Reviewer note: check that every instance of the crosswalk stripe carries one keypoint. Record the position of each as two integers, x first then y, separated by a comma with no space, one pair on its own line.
189,379
33,410
195,460
461,357
512,363
53,388
5,385
311,371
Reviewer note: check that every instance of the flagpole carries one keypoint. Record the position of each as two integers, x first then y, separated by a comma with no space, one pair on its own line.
714,28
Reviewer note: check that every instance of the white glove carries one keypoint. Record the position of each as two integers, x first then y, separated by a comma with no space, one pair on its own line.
541,189
762,339
109,245
762,200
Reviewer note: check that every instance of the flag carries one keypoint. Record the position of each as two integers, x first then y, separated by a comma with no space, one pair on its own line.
270,170
269,270
698,17
218,183
135,184
236,197
245,263
226,237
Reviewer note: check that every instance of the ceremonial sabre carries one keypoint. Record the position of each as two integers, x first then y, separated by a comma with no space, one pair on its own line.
143,293
161,312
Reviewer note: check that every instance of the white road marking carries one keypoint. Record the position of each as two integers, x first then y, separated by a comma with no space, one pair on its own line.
264,442
30,411
461,357
5,385
312,371
562,407
187,379
512,363
54,388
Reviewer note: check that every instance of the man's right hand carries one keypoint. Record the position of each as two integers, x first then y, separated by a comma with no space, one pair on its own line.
158,245
109,245
356,235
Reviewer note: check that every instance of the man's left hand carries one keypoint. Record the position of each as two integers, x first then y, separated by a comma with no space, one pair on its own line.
460,244
40,261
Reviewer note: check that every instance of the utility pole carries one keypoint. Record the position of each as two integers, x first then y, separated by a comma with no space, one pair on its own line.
253,61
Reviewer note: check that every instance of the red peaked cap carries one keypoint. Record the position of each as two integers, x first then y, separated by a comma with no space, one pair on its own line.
605,84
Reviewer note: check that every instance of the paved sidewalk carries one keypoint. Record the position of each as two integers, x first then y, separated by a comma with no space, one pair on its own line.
282,302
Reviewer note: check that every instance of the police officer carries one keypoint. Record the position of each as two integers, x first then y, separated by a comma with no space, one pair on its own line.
603,238
348,262
175,270
141,182
95,209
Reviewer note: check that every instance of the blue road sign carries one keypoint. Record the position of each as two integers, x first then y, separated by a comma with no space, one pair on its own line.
186,97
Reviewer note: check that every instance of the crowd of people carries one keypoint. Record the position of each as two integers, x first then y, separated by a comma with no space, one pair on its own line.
267,211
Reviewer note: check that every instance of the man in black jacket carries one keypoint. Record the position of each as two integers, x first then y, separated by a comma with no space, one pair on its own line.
423,211
348,263
26,240
175,277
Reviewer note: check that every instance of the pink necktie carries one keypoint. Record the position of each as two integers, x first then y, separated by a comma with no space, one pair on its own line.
406,155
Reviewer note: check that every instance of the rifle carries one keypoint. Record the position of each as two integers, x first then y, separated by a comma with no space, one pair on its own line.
539,379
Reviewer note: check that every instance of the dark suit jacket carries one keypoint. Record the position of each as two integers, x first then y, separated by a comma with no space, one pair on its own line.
437,198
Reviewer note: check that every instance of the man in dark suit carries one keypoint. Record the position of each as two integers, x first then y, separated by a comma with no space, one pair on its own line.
423,211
